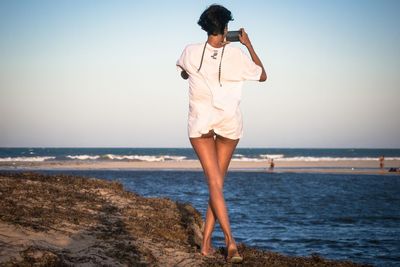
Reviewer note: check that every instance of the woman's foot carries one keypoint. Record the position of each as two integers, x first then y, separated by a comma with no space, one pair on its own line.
233,254
207,249
208,252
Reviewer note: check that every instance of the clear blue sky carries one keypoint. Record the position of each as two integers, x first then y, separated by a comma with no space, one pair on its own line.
102,73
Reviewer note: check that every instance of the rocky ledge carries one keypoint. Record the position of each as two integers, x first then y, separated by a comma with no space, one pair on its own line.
65,220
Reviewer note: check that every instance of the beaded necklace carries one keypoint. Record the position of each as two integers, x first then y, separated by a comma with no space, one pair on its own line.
220,62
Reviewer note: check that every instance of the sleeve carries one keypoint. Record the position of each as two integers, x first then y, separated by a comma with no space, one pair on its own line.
180,63
250,70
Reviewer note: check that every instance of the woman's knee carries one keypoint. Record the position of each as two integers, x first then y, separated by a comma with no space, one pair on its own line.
215,183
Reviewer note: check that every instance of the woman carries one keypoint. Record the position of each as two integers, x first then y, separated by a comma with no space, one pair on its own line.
216,71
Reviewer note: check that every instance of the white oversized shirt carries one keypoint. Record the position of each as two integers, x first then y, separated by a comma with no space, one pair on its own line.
213,104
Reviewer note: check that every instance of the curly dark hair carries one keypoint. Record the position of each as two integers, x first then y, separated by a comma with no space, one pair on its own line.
214,19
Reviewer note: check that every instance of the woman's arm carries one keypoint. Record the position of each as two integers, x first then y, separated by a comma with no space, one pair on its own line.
244,39
184,74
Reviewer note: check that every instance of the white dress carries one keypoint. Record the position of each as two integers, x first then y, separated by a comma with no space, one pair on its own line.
213,100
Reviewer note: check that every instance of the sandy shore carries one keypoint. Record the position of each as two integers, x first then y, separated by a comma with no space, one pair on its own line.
64,220
343,166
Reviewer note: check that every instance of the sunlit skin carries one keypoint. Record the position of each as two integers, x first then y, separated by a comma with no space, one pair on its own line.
215,153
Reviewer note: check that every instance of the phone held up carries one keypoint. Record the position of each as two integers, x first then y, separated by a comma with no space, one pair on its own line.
233,36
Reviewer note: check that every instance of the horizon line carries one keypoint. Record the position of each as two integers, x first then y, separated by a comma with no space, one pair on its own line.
166,147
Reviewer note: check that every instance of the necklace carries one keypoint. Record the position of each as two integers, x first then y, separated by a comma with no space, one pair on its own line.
220,62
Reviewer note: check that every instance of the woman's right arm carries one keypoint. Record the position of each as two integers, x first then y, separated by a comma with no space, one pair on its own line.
181,63
184,74
244,39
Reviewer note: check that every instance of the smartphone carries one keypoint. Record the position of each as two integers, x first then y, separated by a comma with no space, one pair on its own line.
233,36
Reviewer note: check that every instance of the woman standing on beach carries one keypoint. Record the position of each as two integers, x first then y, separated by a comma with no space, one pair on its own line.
216,71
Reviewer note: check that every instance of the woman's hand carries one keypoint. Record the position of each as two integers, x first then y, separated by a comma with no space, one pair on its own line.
244,38
184,74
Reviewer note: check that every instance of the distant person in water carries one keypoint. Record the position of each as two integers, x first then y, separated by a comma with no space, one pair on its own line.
271,165
216,71
382,162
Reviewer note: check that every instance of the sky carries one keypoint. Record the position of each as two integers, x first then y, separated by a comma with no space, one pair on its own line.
102,73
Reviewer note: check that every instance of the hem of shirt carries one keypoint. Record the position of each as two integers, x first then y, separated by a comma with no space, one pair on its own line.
218,133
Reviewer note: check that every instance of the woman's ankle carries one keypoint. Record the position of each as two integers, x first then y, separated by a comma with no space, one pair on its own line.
206,241
230,241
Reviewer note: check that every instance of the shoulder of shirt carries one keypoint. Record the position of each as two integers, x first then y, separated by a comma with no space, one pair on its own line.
199,46
235,49
194,46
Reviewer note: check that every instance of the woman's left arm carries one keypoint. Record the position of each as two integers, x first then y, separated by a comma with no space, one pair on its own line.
244,39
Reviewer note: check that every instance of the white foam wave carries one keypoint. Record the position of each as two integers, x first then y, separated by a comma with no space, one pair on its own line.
262,157
149,158
272,156
310,159
336,158
248,159
144,157
83,157
8,159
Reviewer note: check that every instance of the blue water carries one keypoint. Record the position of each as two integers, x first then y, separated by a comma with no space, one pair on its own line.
163,154
339,216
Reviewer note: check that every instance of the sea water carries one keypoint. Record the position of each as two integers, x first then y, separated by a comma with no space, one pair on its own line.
338,216
182,154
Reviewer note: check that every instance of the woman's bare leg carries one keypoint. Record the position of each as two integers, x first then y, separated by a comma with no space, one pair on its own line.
225,148
215,157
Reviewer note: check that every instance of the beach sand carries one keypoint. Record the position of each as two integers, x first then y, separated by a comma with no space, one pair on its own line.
64,220
340,166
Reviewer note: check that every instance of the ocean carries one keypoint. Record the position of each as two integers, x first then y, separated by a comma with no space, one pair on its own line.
338,216
179,154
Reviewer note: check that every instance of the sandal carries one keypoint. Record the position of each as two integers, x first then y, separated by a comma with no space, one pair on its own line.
235,258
